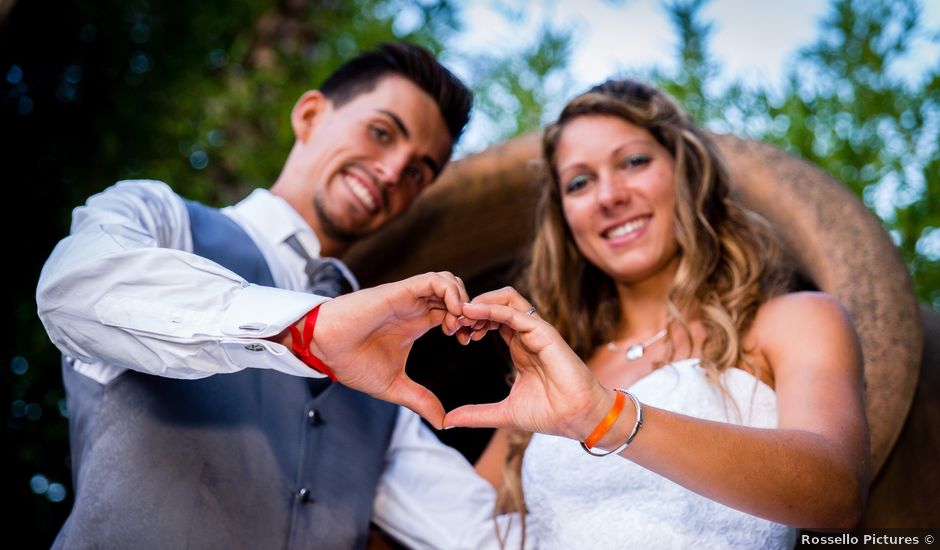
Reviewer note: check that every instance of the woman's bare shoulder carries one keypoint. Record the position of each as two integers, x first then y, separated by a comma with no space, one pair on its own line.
803,324
802,307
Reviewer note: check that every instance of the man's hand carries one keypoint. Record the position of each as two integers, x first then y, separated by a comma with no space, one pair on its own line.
365,337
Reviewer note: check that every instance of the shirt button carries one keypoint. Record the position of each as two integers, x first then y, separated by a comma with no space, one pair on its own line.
303,495
314,418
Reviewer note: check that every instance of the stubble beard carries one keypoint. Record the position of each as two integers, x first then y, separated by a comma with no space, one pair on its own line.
330,227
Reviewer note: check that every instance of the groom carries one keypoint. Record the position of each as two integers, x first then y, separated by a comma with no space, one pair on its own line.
197,362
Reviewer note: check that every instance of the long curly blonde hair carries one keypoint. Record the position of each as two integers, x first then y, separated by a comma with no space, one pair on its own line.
729,262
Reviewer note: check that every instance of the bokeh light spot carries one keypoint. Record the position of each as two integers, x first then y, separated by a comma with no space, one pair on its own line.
34,411
39,484
56,492
198,159
15,74
19,365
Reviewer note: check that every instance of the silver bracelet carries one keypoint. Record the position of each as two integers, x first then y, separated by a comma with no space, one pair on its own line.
636,428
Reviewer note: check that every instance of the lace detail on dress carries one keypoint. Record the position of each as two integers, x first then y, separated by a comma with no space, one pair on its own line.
577,501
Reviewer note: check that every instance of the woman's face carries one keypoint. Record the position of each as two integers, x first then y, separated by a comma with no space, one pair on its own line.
618,196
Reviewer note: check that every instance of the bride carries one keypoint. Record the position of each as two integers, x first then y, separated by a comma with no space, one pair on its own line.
663,338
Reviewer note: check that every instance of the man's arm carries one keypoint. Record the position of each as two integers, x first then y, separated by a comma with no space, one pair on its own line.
120,290
124,289
431,497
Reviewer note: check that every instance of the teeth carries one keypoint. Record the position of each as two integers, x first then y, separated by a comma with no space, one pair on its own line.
628,227
360,191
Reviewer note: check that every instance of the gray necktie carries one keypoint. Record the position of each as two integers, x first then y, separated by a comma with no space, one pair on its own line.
328,276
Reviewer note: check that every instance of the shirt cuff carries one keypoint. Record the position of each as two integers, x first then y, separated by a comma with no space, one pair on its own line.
259,312
264,354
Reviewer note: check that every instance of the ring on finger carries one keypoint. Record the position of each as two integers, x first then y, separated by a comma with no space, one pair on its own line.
531,311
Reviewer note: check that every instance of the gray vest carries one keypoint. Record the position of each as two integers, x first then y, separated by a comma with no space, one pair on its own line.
254,459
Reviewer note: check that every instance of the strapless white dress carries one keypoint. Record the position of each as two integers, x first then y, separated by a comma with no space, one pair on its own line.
578,501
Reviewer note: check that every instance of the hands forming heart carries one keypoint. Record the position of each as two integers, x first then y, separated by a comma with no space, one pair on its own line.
366,337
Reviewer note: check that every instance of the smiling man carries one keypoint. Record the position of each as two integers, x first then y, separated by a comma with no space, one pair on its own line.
192,422
360,160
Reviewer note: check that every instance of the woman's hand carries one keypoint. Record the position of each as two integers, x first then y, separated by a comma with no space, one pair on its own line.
554,392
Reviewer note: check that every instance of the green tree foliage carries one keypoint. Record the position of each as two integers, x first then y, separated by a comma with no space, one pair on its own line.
844,106
697,67
515,90
870,126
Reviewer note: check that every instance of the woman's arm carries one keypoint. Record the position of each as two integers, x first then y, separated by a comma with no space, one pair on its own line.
812,471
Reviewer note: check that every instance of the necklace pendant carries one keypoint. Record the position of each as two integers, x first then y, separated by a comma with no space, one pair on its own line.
635,352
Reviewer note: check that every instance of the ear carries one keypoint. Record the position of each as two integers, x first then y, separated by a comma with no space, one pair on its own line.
306,112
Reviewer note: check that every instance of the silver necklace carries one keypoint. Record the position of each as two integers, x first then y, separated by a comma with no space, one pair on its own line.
636,351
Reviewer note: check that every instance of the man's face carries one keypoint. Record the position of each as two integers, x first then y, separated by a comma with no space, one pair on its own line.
363,163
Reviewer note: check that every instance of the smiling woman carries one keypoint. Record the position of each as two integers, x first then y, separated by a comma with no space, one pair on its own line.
754,401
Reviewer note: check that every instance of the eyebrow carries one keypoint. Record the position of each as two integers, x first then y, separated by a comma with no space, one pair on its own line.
613,153
397,121
426,159
570,167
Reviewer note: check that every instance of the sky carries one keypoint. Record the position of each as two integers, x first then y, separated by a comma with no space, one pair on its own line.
752,40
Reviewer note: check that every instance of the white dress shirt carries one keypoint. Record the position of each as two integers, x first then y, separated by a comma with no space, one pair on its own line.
125,284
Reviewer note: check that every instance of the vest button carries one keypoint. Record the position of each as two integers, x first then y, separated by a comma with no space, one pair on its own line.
303,495
314,418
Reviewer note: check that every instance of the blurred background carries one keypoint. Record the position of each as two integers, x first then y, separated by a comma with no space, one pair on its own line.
197,94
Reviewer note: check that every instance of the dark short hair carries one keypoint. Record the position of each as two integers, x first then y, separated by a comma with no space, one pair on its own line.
362,73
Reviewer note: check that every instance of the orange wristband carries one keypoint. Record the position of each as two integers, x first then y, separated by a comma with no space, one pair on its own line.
301,346
607,422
